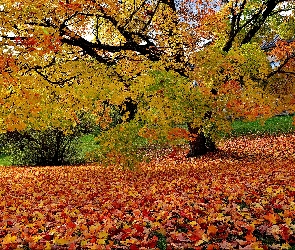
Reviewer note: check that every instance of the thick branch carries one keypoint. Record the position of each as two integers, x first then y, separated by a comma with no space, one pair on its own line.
257,24
235,25
286,72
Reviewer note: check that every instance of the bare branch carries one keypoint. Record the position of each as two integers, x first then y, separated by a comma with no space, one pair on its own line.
286,72
282,65
61,82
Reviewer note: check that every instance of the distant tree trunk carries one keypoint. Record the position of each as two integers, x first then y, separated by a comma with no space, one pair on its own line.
198,145
201,144
210,144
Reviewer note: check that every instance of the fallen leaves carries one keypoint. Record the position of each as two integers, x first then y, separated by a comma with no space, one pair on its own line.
272,218
219,201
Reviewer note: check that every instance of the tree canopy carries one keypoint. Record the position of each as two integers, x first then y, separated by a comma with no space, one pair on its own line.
154,62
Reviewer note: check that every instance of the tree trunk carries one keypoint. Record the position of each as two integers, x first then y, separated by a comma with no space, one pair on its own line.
129,106
201,144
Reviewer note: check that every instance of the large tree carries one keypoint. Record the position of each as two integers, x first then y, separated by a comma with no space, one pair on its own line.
161,64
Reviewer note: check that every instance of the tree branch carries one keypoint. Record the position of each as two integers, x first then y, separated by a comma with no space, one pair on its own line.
279,69
133,13
151,17
286,72
271,5
61,82
170,3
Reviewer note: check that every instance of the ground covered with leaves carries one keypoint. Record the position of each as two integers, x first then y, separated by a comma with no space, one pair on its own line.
241,197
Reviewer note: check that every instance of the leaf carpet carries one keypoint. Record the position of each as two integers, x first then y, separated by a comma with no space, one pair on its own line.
241,197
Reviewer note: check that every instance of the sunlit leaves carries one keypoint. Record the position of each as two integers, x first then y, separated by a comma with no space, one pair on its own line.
62,57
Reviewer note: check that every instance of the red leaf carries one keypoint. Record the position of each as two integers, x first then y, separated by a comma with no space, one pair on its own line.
196,235
212,230
145,213
48,237
285,233
210,247
9,223
153,242
250,238
139,228
93,240
133,247
72,246
71,225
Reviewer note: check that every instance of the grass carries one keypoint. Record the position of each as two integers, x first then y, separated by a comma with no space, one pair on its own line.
5,160
87,144
274,125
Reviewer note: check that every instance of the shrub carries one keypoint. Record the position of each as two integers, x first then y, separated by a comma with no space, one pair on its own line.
51,147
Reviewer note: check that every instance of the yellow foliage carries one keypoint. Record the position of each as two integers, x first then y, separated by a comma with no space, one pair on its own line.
9,239
60,58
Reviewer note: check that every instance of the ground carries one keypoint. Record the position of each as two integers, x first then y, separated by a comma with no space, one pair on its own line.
241,197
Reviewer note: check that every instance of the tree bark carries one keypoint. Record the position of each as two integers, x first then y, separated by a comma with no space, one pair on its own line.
201,144
198,145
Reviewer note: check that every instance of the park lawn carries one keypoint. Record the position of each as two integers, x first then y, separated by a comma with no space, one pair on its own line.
273,125
5,160
241,197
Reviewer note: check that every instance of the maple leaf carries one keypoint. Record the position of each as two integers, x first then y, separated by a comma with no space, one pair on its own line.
272,218
101,241
212,230
285,233
250,238
71,225
8,239
61,241
103,235
148,223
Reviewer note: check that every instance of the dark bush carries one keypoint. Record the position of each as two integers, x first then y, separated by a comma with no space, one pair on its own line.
49,147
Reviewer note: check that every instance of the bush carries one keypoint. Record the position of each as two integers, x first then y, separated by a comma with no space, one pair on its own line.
49,147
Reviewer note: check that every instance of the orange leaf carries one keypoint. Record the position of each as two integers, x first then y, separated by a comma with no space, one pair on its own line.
250,237
196,235
271,218
212,230
71,225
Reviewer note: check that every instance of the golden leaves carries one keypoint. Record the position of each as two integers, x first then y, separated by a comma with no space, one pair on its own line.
9,239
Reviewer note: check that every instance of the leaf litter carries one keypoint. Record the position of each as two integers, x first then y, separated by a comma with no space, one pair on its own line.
241,197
